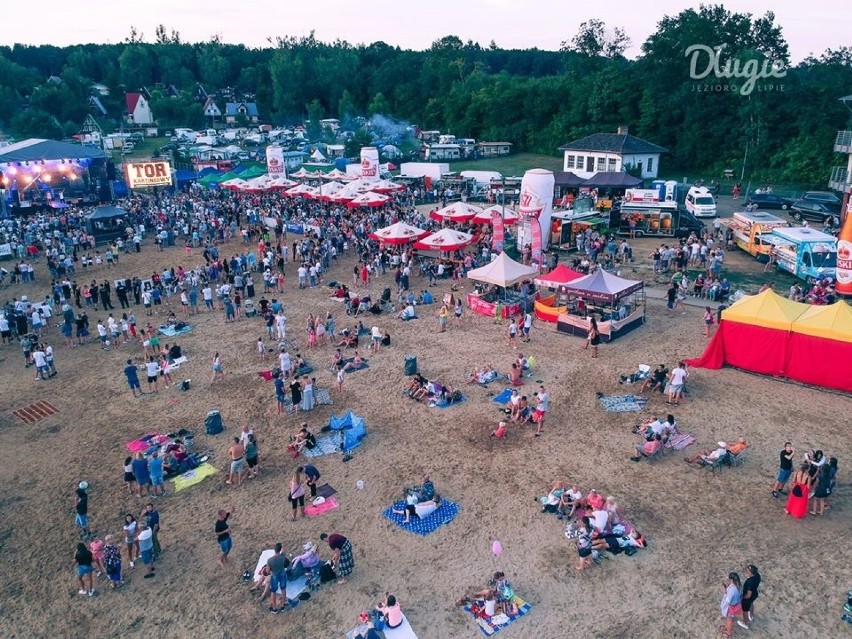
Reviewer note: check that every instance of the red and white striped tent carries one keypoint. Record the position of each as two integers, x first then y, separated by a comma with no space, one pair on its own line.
509,216
368,199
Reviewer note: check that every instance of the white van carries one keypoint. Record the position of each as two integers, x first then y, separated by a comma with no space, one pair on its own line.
700,202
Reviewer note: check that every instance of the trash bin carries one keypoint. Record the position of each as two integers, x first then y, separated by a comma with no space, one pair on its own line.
410,365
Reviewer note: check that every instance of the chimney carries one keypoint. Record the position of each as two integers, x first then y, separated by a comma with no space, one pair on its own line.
623,130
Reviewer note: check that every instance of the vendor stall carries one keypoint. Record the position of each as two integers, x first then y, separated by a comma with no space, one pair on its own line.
501,273
550,307
617,304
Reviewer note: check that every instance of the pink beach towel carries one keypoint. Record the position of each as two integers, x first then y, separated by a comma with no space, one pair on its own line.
142,444
315,511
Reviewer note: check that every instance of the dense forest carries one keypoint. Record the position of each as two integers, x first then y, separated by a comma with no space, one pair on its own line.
533,98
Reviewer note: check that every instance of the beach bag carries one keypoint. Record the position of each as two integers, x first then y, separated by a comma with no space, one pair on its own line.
327,573
410,365
213,423
184,385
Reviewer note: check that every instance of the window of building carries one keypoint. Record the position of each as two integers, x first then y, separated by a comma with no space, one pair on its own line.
650,165
612,164
569,161
601,164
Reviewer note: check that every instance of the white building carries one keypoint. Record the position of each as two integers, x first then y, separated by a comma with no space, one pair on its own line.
611,153
211,109
138,110
442,152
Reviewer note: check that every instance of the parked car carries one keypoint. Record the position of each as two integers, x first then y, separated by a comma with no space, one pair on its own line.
770,201
812,210
826,197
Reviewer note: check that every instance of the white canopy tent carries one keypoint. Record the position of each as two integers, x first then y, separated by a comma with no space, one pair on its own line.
503,271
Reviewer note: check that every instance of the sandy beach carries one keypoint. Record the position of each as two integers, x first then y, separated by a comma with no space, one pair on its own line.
700,525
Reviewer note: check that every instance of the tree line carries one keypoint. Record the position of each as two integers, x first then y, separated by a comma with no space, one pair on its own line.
534,98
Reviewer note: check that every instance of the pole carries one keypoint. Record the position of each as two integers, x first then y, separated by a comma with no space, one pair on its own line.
745,156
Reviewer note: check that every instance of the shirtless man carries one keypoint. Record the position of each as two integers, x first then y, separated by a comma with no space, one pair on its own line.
238,453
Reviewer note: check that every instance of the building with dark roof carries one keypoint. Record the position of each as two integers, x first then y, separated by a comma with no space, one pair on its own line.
611,153
237,110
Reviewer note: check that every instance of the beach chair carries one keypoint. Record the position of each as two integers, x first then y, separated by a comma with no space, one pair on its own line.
717,464
738,459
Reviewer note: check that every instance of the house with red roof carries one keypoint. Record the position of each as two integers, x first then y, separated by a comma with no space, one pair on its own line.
138,109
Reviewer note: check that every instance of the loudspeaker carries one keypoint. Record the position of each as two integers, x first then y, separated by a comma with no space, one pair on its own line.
110,170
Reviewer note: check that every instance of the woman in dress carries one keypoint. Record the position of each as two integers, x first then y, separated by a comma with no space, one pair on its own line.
797,502
296,394
307,393
584,544
731,606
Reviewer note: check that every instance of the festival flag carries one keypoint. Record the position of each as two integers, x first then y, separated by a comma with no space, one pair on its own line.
498,236
535,232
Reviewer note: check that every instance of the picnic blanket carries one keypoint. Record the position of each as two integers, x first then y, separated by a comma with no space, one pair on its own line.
306,369
321,398
327,506
170,331
440,403
326,445
679,441
326,490
622,403
192,477
404,631
492,625
176,364
141,444
349,360
502,398
446,512
295,587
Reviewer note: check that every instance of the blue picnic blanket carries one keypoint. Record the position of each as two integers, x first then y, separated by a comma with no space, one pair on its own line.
623,403
489,628
446,512
502,398
446,404
349,360
307,369
326,445
169,331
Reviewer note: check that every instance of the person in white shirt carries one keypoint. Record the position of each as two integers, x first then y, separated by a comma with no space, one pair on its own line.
40,361
152,368
284,363
708,456
528,319
376,334
48,356
677,378
281,325
207,294
102,335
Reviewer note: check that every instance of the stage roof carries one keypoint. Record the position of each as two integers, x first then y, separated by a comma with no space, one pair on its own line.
35,149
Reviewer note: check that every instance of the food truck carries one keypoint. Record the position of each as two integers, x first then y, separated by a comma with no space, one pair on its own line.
746,228
806,253
643,212
567,224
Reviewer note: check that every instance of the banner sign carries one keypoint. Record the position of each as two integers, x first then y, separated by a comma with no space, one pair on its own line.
141,175
5,250
641,195
499,234
275,161
298,229
535,232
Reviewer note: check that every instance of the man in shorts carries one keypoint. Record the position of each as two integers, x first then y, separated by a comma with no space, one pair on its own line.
677,378
541,408
784,471
146,547
152,518
528,319
278,564
152,368
155,470
238,459
132,379
81,508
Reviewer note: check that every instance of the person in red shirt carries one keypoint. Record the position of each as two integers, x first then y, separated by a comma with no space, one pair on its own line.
648,448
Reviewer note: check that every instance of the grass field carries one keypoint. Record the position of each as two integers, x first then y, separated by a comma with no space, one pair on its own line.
147,149
511,165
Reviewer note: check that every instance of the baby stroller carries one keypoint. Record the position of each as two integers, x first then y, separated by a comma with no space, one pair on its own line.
249,308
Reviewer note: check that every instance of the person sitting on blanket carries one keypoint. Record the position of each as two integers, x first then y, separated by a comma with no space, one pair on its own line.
391,611
423,492
355,363
417,509
656,380
304,563
499,589
648,448
554,498
407,313
303,439
708,457
525,411
262,582
342,292
593,501
421,393
177,460
642,374
299,362
349,340
522,362
482,376
426,298
569,502
616,543
171,319
336,359
514,374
